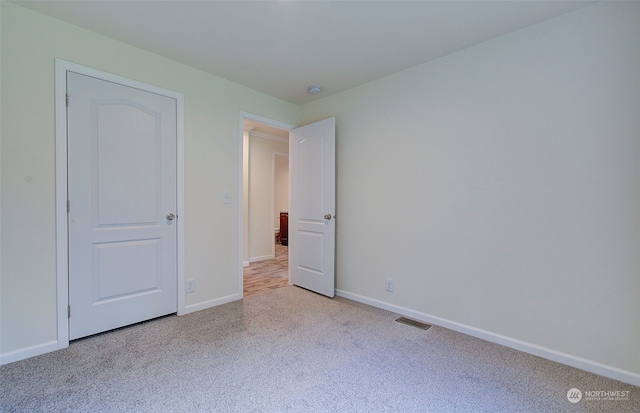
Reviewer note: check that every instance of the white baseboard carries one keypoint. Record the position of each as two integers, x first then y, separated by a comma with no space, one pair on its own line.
549,354
245,264
262,258
39,349
191,308
25,353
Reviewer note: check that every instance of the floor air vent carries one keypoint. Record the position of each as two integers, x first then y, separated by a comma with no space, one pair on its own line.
413,323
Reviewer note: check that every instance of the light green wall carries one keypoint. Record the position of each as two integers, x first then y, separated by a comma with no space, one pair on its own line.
280,187
30,43
1,104
500,186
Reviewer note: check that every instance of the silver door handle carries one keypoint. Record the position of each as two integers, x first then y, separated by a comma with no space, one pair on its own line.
327,216
170,216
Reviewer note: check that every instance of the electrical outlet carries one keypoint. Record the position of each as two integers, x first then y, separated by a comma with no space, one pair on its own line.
388,285
191,286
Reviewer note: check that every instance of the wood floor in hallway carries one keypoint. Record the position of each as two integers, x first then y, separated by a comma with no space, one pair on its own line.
267,275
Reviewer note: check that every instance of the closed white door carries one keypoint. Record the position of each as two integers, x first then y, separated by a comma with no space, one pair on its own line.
122,205
312,224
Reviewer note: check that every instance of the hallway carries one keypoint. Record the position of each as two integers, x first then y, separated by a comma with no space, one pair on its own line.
267,275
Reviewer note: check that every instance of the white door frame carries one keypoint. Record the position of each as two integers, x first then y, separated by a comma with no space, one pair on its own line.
62,228
270,122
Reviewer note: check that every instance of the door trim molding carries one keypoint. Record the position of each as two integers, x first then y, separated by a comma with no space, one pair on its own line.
62,228
270,122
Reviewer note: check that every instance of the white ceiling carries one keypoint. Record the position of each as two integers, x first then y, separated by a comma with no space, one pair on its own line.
282,47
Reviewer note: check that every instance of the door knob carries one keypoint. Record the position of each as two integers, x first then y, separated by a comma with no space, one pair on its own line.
170,216
327,216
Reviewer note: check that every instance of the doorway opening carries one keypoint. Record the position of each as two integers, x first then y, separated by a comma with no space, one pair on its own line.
265,189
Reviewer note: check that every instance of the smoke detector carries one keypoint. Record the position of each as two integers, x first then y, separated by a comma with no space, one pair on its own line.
314,89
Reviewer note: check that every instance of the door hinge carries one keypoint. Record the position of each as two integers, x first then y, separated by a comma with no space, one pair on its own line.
68,206
68,311
67,100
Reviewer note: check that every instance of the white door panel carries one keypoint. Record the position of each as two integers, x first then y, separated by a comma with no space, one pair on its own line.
125,197
112,280
311,215
121,186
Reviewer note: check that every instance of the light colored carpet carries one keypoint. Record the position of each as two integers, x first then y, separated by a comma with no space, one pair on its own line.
290,350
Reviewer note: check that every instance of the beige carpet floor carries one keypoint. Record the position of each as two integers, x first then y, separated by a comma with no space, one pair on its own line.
290,350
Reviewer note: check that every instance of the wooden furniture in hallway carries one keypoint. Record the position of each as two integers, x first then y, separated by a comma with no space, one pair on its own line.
284,228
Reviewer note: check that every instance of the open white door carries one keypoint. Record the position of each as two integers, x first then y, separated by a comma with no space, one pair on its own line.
312,226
